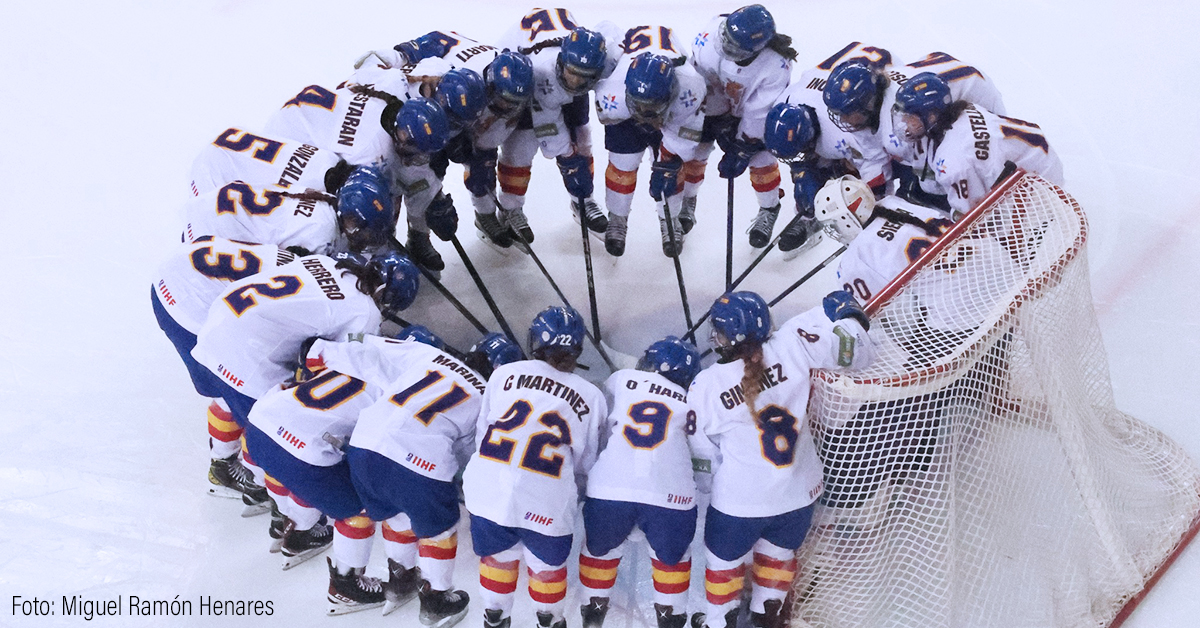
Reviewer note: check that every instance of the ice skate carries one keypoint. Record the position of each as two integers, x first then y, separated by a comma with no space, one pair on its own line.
352,592
494,618
401,587
800,235
516,220
546,620
672,244
614,235
771,617
764,224
597,222
301,545
421,252
490,230
667,619
687,214
442,609
594,611
278,525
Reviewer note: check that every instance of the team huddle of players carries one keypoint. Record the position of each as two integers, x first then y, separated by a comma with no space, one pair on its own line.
290,266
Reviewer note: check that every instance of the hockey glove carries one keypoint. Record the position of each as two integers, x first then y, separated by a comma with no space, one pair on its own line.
721,129
432,44
441,217
460,148
806,182
664,177
480,176
841,304
304,371
737,158
577,175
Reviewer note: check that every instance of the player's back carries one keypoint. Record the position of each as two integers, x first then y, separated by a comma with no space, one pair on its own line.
340,120
537,430
538,26
263,214
237,155
313,420
255,328
196,273
886,247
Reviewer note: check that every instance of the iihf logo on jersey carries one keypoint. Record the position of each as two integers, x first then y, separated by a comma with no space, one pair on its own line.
941,166
609,102
687,98
701,40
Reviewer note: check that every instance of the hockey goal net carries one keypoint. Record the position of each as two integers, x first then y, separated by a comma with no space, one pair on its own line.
979,473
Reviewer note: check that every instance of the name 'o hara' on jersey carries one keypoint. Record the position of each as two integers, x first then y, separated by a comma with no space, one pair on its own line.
338,120
886,247
767,464
196,273
237,155
647,458
313,420
255,328
263,214
425,419
536,439
747,92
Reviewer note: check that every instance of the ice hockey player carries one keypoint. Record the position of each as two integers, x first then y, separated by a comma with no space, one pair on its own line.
407,449
568,61
238,155
360,217
766,475
185,286
746,65
536,438
643,478
962,146
652,100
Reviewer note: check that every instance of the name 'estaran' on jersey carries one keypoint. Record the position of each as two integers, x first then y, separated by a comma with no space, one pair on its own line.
537,436
198,272
425,419
766,464
647,458
254,330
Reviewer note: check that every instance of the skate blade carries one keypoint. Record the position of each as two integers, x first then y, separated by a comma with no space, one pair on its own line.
338,607
809,244
254,510
218,490
393,604
276,546
444,622
291,561
503,250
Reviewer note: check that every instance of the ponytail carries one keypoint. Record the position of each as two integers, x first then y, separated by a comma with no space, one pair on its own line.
752,376
783,45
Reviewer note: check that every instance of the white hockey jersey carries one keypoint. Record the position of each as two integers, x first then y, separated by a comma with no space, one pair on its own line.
767,464
684,119
238,155
240,211
972,154
425,419
314,420
747,92
338,120
647,458
254,330
537,437
198,272
885,248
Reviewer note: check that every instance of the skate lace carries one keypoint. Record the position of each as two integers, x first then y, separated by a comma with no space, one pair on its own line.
592,210
370,584
764,221
516,218
666,236
618,226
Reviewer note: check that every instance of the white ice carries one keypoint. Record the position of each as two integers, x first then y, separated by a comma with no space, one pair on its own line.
105,104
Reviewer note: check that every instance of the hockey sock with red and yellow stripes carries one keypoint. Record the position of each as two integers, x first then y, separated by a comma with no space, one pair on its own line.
436,559
765,181
352,541
671,582
399,542
547,586
598,574
723,582
498,579
224,435
773,570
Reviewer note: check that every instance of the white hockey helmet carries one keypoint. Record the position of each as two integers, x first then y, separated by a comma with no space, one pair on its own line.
843,206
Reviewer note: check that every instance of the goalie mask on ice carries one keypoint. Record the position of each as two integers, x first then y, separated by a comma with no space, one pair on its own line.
843,206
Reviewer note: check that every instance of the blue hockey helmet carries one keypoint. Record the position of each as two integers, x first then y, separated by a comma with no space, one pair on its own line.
463,96
739,318
365,212
790,130
746,32
673,358
581,60
421,334
853,95
421,128
399,280
649,87
556,329
509,80
492,351
920,102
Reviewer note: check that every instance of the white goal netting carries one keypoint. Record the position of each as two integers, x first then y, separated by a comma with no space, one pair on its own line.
979,473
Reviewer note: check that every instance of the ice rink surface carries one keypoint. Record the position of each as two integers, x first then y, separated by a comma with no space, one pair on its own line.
102,477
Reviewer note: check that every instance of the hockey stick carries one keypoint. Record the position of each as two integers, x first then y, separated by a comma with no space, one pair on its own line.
525,247
462,309
687,310
587,258
729,241
487,296
736,282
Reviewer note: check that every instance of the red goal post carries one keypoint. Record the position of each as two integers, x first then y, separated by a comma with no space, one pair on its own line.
979,473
